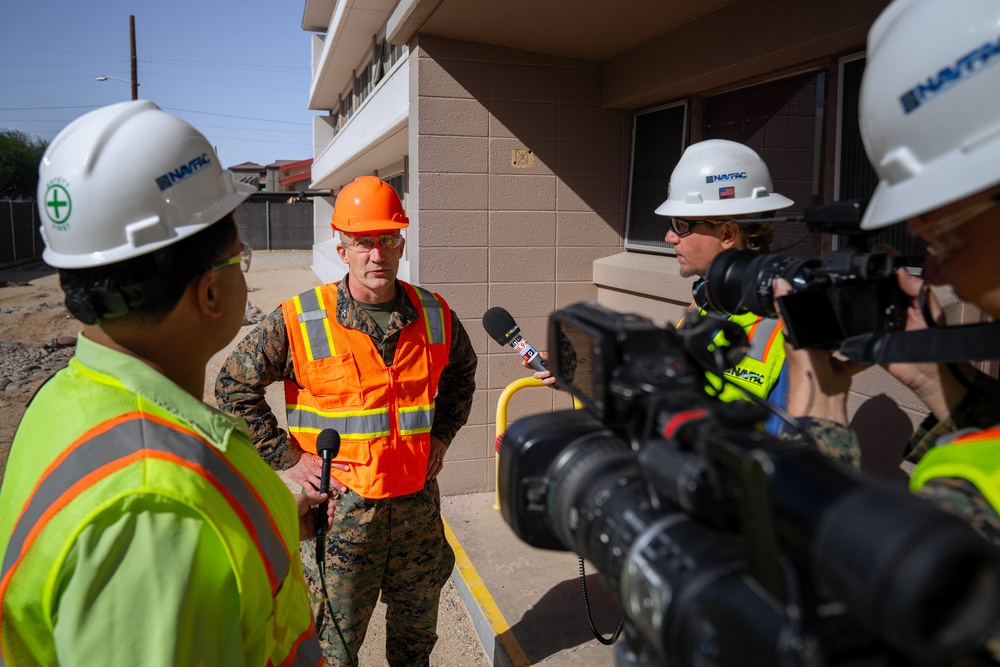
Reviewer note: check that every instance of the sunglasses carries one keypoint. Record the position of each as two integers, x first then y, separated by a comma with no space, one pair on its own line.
368,243
683,227
243,259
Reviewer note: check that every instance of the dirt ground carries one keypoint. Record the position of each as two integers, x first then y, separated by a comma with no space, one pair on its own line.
26,317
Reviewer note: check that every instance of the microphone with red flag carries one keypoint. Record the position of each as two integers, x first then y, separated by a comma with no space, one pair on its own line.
501,327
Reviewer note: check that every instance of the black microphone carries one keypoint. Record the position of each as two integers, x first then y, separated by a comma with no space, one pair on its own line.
502,328
327,446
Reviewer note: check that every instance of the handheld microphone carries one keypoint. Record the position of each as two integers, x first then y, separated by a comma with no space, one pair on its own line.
327,446
502,328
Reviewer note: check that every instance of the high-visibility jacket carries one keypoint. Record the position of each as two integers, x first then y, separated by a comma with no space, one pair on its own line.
974,457
758,372
383,413
90,504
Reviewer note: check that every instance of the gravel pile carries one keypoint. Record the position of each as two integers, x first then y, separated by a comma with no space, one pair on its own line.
23,365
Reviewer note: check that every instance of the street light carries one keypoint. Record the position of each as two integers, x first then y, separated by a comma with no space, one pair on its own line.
115,78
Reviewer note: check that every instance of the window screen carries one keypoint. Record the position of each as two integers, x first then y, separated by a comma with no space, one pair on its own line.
783,121
657,143
856,178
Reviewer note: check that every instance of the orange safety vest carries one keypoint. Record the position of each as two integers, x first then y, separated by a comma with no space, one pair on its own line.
383,413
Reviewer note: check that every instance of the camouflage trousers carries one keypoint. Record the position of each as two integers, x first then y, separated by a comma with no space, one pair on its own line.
396,546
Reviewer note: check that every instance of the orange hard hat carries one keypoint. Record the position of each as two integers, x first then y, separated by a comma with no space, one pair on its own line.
368,204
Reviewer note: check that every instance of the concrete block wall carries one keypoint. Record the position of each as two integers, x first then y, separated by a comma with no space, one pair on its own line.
518,183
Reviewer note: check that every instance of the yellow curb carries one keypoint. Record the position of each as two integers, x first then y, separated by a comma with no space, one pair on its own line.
501,630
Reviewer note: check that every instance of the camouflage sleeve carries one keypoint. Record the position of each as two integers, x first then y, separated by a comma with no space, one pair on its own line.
979,409
260,359
961,498
835,440
456,387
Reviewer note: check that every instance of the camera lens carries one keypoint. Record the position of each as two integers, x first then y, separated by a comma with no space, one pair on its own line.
740,280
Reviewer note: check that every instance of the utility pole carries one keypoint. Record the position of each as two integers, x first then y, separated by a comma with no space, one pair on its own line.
135,62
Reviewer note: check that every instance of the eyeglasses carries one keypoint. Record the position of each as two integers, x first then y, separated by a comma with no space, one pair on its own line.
367,243
243,259
683,227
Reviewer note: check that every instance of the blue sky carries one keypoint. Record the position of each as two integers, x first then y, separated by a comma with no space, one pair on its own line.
239,72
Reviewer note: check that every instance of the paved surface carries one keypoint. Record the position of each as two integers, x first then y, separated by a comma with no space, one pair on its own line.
526,604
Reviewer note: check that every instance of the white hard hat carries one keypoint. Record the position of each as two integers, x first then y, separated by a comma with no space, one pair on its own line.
717,177
928,108
125,180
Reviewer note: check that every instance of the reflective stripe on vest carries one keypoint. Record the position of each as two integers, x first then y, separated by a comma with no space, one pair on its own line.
762,335
433,315
974,457
113,446
314,324
359,425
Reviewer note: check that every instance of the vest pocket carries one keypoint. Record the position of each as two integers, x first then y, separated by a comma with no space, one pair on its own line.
335,379
358,452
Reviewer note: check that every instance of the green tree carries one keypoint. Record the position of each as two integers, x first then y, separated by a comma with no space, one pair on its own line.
20,155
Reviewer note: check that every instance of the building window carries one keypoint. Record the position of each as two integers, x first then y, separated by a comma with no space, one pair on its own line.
657,143
397,183
783,121
855,177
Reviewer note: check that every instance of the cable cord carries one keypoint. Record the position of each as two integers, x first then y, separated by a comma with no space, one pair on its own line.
586,606
325,603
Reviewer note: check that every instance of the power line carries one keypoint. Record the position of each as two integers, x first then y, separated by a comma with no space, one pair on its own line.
243,65
226,115
207,113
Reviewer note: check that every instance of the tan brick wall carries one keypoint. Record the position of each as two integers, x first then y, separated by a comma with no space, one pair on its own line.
494,233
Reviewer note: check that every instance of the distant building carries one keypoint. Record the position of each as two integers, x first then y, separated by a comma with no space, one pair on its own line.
279,176
251,172
289,175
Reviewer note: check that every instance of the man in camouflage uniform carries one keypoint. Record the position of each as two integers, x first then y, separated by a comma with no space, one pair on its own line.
931,132
380,540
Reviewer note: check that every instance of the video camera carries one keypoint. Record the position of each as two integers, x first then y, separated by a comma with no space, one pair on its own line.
726,546
849,293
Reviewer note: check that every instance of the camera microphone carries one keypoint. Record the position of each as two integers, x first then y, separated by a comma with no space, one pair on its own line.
327,446
501,327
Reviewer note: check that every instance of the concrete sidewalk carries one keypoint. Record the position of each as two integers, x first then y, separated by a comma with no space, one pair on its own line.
526,604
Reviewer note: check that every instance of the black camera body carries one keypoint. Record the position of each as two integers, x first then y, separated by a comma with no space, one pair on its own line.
724,545
847,294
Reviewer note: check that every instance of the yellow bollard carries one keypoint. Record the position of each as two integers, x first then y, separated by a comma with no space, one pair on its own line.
501,426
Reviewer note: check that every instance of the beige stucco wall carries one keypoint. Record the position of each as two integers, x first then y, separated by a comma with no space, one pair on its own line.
494,233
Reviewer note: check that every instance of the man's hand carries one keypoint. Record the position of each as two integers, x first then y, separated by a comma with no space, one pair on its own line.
436,460
308,474
933,384
546,375
817,382
307,523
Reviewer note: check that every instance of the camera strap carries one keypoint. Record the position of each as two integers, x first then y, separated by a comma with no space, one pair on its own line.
968,342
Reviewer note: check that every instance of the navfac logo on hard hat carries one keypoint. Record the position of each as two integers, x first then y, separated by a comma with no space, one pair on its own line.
184,171
736,175
58,203
951,75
